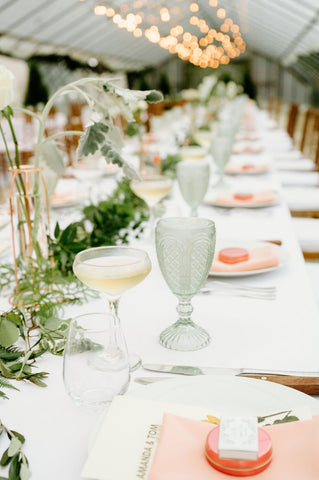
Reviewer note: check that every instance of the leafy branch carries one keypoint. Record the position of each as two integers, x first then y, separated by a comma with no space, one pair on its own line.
111,222
14,456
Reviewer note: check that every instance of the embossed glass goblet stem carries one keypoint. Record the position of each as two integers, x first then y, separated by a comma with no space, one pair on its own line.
185,249
193,180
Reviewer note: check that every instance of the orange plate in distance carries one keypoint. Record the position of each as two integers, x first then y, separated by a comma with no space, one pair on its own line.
233,255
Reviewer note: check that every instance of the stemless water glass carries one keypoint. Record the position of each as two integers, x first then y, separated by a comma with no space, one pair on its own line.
113,270
221,148
193,180
185,249
152,189
95,364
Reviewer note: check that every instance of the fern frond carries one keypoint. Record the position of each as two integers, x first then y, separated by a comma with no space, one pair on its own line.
10,353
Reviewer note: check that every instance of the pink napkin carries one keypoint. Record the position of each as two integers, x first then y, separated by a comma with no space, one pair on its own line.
228,198
248,149
233,168
262,257
180,452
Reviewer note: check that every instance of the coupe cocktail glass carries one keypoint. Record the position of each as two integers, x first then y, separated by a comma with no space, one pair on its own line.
193,181
113,270
185,249
152,189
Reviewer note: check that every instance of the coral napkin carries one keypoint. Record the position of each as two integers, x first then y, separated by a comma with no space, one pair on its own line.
229,198
248,168
248,149
262,257
180,452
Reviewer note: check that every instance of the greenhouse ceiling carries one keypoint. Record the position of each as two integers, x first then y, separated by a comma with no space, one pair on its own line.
281,30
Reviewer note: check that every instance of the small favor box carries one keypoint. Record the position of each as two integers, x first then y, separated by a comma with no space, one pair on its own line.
238,438
238,447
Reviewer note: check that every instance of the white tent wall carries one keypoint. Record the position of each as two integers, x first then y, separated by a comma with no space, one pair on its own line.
273,80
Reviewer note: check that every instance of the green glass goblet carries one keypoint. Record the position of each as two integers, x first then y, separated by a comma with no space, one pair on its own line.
185,249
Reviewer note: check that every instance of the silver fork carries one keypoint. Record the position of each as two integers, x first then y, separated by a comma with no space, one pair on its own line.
240,286
261,293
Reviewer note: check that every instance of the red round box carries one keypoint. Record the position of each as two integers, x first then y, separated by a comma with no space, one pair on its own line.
239,468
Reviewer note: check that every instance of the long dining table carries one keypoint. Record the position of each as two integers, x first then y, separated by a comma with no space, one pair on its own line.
280,334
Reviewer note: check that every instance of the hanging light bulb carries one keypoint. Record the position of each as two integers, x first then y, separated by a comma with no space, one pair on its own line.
205,46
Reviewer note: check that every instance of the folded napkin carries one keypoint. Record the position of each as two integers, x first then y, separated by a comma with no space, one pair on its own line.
64,198
248,149
180,453
259,258
229,198
246,168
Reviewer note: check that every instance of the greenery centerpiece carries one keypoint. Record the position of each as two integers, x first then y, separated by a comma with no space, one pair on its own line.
36,320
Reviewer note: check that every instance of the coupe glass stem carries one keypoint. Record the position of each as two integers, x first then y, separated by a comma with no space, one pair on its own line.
114,307
134,360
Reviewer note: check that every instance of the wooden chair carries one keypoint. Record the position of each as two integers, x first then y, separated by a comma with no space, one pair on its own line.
292,119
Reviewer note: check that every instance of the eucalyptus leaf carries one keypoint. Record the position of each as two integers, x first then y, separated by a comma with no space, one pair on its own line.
14,447
25,473
9,333
5,459
18,435
14,469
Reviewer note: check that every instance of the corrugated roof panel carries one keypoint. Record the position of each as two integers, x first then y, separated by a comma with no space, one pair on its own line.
275,28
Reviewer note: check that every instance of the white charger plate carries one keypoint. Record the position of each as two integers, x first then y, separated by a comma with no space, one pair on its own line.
70,199
229,394
211,199
249,245
248,172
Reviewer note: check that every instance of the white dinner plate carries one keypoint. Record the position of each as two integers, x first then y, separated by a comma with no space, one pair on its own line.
5,246
248,171
249,245
211,199
4,220
229,394
69,200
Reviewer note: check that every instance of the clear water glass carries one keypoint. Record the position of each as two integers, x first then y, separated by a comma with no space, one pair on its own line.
193,181
185,249
96,365
221,148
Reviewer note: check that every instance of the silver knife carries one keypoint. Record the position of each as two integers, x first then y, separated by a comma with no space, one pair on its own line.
192,370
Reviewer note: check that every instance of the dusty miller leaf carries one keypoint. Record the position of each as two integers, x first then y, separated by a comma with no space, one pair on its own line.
14,447
92,138
25,473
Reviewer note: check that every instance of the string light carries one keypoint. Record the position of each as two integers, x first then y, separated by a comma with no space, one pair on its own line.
209,48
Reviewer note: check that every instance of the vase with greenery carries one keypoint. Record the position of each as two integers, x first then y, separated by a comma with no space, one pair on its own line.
100,138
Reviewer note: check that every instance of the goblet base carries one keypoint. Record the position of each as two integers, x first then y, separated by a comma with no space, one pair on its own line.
185,337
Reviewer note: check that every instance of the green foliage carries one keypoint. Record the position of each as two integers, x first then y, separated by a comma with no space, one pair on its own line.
282,419
169,164
14,456
132,129
92,138
110,222
37,91
164,85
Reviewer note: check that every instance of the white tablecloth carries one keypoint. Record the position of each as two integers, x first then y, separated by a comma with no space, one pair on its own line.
280,334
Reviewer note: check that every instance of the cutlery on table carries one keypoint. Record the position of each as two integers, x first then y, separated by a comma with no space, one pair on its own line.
261,293
307,382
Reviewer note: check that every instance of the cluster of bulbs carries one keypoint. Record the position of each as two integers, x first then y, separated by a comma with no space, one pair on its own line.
212,49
